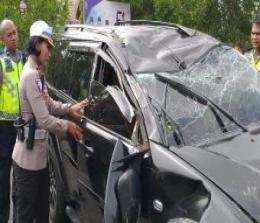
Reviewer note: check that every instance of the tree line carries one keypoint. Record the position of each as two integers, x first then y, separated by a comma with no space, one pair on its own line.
54,12
227,20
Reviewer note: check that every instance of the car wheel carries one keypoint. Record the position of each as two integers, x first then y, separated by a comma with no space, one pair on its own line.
56,199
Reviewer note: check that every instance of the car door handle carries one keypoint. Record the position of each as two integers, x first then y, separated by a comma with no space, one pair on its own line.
88,150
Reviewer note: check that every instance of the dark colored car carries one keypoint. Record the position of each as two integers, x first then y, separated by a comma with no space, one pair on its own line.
171,132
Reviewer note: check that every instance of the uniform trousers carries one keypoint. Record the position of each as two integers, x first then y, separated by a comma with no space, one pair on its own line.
7,140
30,195
5,167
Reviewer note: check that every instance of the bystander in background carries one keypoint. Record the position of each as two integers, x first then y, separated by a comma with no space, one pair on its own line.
11,65
254,54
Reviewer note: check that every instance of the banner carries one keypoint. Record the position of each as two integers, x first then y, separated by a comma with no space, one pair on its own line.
103,12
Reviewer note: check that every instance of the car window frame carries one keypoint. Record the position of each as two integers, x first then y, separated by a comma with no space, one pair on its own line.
53,82
76,55
84,47
104,55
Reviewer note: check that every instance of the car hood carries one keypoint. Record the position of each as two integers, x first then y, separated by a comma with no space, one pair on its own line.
232,165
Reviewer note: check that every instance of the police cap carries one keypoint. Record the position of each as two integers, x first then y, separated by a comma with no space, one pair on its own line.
42,29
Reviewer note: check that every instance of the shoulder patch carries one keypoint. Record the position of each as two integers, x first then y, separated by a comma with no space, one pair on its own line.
39,84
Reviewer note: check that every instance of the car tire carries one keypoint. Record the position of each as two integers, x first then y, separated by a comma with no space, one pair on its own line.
56,199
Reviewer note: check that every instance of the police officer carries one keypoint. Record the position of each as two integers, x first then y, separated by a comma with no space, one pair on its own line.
254,54
30,172
11,64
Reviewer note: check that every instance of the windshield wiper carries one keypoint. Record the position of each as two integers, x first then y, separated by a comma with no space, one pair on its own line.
177,134
180,63
228,115
202,100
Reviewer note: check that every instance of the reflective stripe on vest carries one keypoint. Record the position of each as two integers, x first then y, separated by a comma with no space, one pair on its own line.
255,63
8,116
9,97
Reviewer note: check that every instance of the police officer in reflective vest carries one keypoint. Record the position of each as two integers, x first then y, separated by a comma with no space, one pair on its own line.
254,55
11,64
39,110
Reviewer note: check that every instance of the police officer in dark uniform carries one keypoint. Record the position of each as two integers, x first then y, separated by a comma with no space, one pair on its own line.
11,64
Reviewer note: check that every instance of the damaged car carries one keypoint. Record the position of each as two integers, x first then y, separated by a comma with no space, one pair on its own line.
171,133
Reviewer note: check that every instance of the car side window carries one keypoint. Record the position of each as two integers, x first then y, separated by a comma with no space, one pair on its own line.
104,108
105,73
80,75
60,65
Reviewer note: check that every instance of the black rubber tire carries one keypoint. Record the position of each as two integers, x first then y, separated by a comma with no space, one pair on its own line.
56,199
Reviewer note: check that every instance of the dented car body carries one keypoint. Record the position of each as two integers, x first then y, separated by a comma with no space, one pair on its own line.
171,132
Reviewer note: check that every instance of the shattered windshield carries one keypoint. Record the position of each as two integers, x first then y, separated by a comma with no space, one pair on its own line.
225,77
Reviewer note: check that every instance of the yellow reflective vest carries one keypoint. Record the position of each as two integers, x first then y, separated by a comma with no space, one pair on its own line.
9,95
253,61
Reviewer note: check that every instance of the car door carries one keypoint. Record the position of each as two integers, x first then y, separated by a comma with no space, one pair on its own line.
70,79
109,124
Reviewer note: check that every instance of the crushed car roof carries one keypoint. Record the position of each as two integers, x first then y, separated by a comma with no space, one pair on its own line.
156,48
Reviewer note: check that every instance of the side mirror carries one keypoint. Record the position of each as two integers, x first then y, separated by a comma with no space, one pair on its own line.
129,195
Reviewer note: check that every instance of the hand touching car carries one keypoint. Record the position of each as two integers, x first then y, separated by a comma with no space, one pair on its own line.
74,130
75,110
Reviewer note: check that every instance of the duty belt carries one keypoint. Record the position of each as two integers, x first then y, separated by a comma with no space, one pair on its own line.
8,116
39,133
